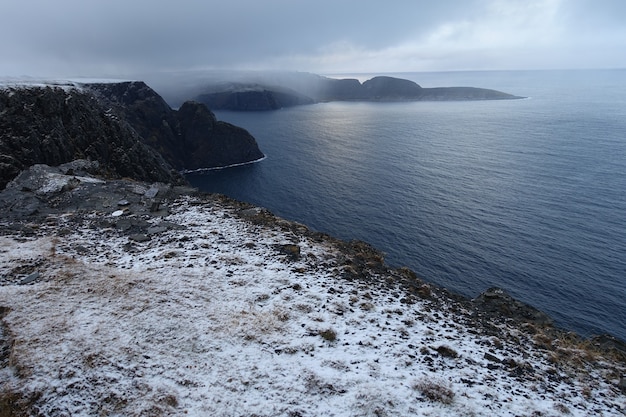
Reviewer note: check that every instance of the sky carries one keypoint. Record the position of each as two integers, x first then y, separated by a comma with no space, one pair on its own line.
120,37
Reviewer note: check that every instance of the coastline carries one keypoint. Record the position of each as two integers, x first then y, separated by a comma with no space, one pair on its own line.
205,302
201,170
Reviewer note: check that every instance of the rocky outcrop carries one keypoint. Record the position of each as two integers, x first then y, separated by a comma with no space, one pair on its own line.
211,143
190,138
127,127
497,302
54,125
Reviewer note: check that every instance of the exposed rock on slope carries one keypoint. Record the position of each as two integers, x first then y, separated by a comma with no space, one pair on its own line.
127,127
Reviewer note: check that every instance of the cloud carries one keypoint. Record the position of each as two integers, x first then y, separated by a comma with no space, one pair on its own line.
74,37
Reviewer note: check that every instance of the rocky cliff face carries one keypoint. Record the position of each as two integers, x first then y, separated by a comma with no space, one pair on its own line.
190,138
54,125
211,143
127,127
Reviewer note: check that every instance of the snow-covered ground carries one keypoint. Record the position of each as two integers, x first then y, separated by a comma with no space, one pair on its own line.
28,82
218,315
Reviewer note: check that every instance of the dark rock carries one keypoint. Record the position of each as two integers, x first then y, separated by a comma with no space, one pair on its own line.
447,351
492,358
189,139
293,251
156,230
117,130
124,224
139,237
622,384
42,190
609,343
52,126
497,302
210,143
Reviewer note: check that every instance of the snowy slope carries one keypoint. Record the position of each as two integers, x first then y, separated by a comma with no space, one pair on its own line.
220,315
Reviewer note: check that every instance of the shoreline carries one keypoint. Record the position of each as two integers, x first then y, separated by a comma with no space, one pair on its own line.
203,170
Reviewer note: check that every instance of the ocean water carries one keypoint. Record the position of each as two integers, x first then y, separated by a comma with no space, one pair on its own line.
527,195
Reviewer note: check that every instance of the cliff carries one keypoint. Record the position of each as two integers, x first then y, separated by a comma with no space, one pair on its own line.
127,127
190,138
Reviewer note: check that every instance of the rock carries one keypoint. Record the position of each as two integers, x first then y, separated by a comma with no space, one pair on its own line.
116,130
210,143
151,192
190,138
497,301
139,237
54,126
30,278
292,251
123,203
492,358
156,230
610,343
622,384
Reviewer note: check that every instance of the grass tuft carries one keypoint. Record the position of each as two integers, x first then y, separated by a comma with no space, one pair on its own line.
435,391
329,335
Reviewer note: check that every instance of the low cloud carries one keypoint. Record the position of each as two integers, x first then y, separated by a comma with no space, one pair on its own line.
98,38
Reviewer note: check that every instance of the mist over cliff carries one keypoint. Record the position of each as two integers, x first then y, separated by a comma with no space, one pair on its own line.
270,90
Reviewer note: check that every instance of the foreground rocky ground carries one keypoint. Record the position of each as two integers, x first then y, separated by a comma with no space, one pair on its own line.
132,299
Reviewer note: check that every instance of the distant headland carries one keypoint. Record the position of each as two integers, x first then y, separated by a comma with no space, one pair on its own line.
310,88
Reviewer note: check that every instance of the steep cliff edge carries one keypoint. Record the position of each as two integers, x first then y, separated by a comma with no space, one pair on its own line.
190,138
54,125
127,127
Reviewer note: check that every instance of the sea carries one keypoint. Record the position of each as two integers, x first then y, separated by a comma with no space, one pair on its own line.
527,195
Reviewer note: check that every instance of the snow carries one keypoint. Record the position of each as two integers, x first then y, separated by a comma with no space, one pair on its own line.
212,318
65,84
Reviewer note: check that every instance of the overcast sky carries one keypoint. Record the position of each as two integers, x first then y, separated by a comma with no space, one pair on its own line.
116,37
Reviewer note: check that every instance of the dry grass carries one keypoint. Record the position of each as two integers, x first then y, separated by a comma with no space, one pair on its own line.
329,335
13,404
435,391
